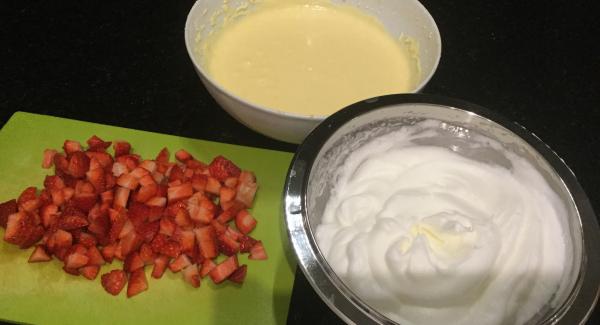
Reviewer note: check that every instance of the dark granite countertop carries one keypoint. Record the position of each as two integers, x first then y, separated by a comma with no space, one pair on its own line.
124,63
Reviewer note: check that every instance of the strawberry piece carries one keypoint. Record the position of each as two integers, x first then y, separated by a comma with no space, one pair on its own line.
97,144
86,239
187,241
221,168
127,229
84,201
138,213
128,181
146,192
207,243
199,182
171,249
167,226
147,231
137,283
59,239
119,169
149,165
146,254
176,174
97,178
201,209
219,227
247,188
213,186
95,257
173,209
71,147
228,245
130,161
239,274
108,252
6,209
223,270
133,262
246,243
74,272
121,148
79,164
53,183
121,197
76,260
178,264
207,266
39,255
130,243
181,192
107,197
29,194
257,252
182,219
114,281
48,159
104,159
157,201
160,264
230,212
72,221
21,230
90,272
231,182
233,234
162,245
245,222
183,155
226,194
191,275
61,164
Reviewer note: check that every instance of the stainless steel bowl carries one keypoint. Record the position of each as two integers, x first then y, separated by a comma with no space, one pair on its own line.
309,182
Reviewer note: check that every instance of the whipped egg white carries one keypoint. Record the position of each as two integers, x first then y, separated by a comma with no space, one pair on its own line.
428,236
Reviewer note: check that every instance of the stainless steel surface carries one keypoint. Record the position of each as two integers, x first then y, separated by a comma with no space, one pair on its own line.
309,182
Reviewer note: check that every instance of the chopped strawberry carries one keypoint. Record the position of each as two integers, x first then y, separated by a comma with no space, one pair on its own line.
200,208
246,243
239,274
97,144
29,194
104,159
257,252
84,201
90,272
71,271
86,239
219,227
183,155
128,181
178,264
72,221
58,197
121,197
245,222
160,264
157,201
108,252
191,275
213,186
176,174
60,239
133,262
182,219
76,260
53,182
187,240
227,245
223,270
130,243
48,159
146,254
114,281
207,266
221,168
147,231
7,208
233,234
139,173
162,245
167,226
149,165
137,283
230,212
97,177
119,169
130,161
71,147
246,189
226,194
231,182
79,164
180,192
95,257
121,148
21,230
207,243
146,192
39,255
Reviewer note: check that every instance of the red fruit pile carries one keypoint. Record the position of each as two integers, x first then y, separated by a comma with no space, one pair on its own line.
98,207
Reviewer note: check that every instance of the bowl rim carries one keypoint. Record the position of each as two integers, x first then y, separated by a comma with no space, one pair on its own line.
327,284
188,38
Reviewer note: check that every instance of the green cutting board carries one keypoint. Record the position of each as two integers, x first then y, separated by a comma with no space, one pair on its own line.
42,293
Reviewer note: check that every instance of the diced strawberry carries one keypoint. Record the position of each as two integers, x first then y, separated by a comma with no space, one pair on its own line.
163,156
95,257
223,270
226,194
245,222
257,252
110,180
173,209
79,164
183,155
48,159
137,283
180,192
182,219
71,146
29,194
148,230
178,264
199,182
121,197
146,254
191,275
119,169
104,159
176,174
130,161
60,239
171,249
233,234
133,262
127,229
213,186
231,182
207,241
68,193
76,260
157,201
228,245
107,197
84,201
114,281
90,272
21,230
121,148
108,252
72,221
53,183
148,180
246,243
6,209
207,266
239,274
97,144
187,240
86,239
128,181
130,243
188,173
167,226
139,173
246,189
230,212
39,255
221,168
61,164
162,245
160,264
219,227
201,209
149,165
97,178
71,271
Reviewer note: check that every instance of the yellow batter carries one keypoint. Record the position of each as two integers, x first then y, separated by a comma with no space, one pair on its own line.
308,58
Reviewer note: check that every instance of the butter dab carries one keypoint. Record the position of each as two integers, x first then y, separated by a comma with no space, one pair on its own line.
307,57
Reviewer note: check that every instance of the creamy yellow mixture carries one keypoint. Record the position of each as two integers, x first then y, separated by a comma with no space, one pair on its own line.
309,58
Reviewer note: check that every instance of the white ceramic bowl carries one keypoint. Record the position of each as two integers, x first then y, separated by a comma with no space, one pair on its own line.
400,17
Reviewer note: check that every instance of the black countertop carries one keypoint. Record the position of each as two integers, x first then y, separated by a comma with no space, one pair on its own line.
124,63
